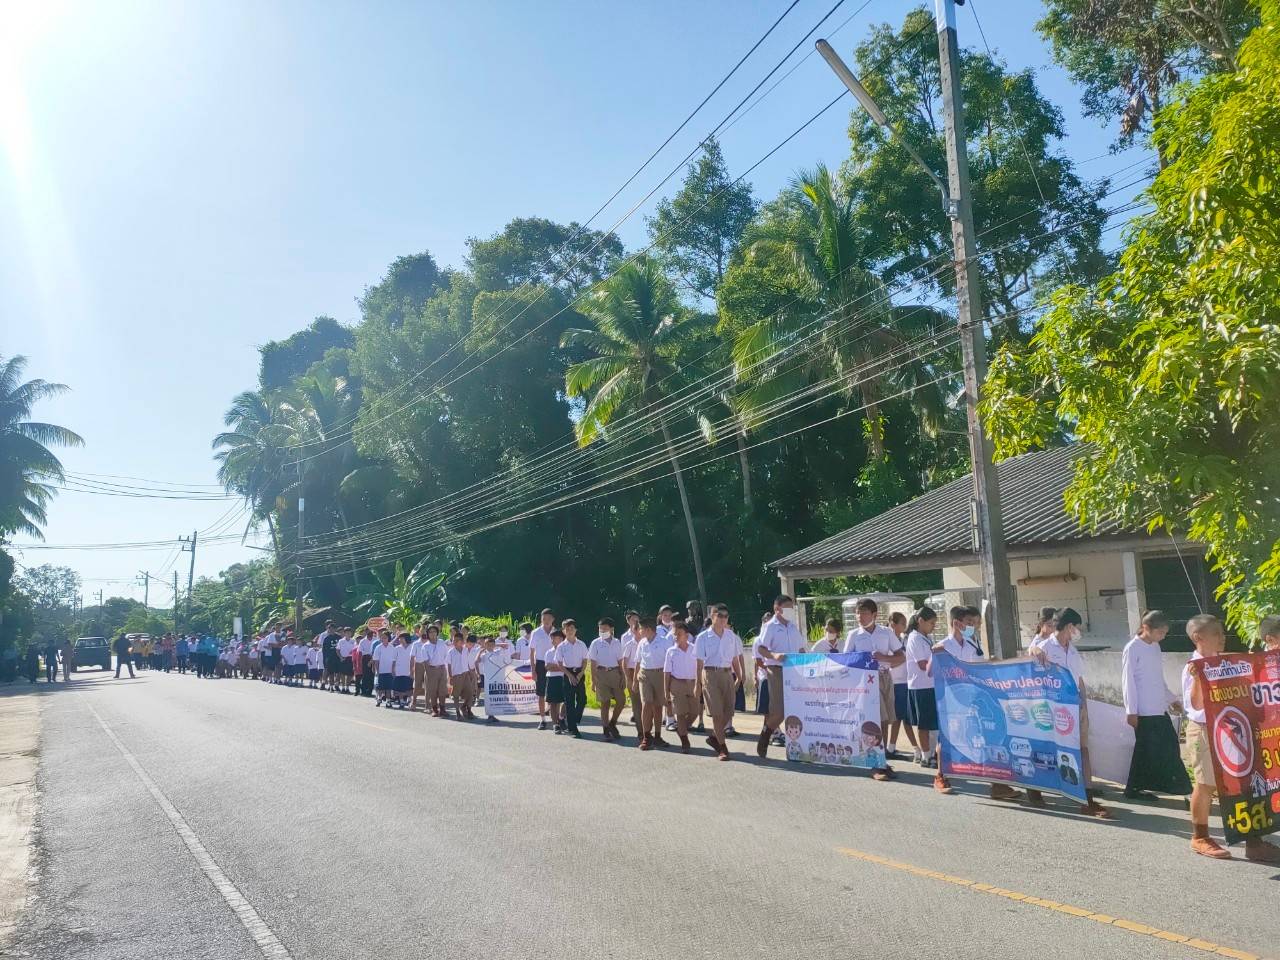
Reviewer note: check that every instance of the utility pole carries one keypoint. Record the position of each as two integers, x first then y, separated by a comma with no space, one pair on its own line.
297,599
175,601
189,545
989,531
99,603
146,590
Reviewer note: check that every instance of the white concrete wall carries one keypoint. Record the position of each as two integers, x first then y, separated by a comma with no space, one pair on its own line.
1097,592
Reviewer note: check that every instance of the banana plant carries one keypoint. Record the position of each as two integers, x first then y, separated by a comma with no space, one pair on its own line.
401,598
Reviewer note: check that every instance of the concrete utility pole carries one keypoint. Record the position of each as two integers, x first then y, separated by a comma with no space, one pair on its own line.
189,545
988,531
297,598
175,601
146,589
999,616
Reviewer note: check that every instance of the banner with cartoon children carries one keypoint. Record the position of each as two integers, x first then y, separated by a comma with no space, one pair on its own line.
1014,722
832,709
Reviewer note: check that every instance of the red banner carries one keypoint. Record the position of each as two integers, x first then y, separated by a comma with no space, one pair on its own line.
1242,718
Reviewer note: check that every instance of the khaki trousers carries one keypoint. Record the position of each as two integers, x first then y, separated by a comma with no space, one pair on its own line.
609,686
773,719
685,703
651,687
719,688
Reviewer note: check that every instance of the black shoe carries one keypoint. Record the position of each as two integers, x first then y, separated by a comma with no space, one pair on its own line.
558,731
700,728
542,724
1146,795
493,719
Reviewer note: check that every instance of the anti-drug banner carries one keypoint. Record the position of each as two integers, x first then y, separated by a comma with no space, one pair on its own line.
832,705
1012,722
509,688
1242,717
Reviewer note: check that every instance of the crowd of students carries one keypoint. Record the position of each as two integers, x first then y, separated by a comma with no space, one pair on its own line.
677,668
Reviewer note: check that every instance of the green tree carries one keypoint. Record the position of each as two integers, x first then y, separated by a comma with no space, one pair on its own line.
1127,55
251,455
1037,222
539,252
52,592
283,360
697,231
637,344
840,320
28,468
409,283
1170,367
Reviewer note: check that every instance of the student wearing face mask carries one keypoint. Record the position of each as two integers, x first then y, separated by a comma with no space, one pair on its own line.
829,642
779,637
1059,648
607,680
883,644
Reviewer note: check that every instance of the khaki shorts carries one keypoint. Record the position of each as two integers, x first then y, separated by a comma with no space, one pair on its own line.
609,685
1198,747
719,688
773,719
437,683
464,686
888,711
419,679
685,703
651,691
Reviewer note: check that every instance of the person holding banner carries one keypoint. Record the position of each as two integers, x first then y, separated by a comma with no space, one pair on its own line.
491,657
1157,760
680,680
922,702
1059,648
883,645
1210,639
1269,633
607,678
779,636
719,654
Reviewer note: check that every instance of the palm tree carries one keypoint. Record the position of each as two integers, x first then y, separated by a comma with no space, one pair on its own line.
26,464
842,321
251,454
640,332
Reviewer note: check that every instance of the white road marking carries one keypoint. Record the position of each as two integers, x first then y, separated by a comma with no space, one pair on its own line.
257,928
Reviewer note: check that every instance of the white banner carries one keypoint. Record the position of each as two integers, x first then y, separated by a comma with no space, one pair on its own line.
509,688
831,707
1110,742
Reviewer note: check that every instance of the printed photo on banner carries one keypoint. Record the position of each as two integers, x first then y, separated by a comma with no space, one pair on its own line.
1014,722
1242,717
832,704
509,688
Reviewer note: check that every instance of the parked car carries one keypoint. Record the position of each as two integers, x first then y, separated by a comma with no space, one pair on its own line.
92,651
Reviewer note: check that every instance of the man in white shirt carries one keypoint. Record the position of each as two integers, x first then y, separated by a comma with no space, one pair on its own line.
1157,759
779,637
365,654
420,652
571,654
1060,650
265,654
436,681
719,654
539,644
605,654
651,652
630,672
346,663
680,680
462,676
883,644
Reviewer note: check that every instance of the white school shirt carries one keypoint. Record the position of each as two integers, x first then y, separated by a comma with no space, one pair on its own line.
401,661
366,646
779,637
825,645
418,650
651,654
553,665
879,639
629,648
605,651
963,650
919,647
540,643
681,664
899,672
1067,657
253,651
386,657
315,658
264,645
521,648
1189,684
571,655
662,630
345,646
1142,679
458,661
716,650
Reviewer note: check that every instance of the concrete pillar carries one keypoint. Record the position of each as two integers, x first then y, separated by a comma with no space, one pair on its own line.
1135,589
787,586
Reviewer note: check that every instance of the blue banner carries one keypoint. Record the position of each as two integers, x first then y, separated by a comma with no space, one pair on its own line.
831,703
1012,722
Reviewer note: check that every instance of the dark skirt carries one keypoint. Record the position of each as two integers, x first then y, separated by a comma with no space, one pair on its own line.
762,697
900,705
1157,761
924,708
556,689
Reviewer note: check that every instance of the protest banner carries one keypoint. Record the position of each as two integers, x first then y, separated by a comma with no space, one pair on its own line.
1111,742
1242,716
832,704
1013,722
509,688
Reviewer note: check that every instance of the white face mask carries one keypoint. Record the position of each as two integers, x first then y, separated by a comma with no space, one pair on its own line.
607,634
832,637
788,614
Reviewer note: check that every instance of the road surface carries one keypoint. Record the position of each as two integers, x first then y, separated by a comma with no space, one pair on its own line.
220,819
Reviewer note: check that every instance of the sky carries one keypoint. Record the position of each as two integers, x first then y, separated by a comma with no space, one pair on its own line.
183,182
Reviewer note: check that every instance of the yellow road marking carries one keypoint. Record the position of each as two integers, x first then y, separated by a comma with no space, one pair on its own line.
1131,926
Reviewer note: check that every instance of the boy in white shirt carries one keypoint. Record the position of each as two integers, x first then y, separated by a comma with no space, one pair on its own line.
1157,759
346,659
606,677
922,703
719,654
384,658
631,672
680,680
315,664
571,654
461,667
883,644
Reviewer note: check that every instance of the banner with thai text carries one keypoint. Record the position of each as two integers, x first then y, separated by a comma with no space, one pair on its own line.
831,706
509,688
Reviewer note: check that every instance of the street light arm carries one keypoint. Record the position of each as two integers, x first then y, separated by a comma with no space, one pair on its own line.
869,104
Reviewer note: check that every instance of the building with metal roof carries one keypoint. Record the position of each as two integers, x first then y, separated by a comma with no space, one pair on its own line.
1111,574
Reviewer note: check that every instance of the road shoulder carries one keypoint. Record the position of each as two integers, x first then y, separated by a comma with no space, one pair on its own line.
19,740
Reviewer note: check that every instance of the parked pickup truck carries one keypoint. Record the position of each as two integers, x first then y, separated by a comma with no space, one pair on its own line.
93,651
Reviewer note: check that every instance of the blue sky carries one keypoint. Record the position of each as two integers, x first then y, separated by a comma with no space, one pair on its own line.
181,182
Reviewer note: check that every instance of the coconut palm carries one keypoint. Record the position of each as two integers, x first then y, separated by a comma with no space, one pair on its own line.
251,455
640,333
843,323
27,466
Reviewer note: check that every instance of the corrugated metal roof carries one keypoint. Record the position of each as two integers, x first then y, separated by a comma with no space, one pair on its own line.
938,522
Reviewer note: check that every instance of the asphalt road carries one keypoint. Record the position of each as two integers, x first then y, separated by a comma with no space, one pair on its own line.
328,829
